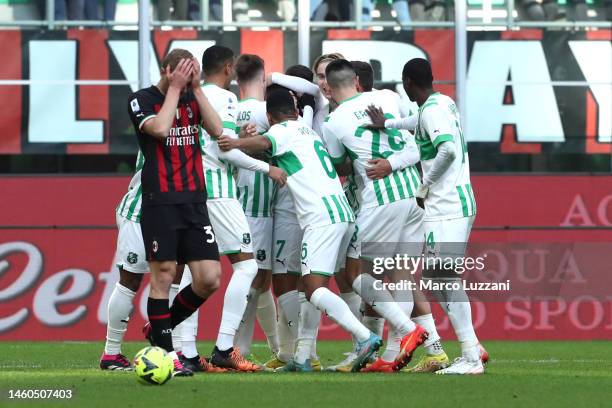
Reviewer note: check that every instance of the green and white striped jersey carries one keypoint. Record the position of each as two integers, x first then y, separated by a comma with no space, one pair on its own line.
130,204
353,193
312,180
345,132
218,173
452,196
255,188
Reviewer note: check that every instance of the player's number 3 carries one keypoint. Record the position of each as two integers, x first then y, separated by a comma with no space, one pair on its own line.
208,231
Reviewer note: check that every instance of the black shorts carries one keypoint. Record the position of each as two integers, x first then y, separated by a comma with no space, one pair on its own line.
178,232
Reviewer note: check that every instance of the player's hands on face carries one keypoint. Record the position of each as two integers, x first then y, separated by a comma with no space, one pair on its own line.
278,175
196,75
248,130
181,76
378,168
226,143
377,116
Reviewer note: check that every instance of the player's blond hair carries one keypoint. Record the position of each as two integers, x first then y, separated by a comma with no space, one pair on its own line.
324,58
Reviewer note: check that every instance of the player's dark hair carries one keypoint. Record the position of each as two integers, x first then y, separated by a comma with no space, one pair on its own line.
174,57
340,73
248,66
280,102
215,58
300,71
365,74
275,87
418,70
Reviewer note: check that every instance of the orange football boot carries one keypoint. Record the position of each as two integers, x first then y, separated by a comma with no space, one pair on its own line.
408,344
379,366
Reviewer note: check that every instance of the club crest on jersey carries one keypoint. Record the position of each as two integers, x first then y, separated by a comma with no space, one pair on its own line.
132,258
134,105
246,238
261,255
155,247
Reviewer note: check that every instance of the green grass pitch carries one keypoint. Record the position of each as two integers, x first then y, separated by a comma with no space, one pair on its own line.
525,374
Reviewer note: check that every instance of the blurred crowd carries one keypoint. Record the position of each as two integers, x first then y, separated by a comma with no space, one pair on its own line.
404,11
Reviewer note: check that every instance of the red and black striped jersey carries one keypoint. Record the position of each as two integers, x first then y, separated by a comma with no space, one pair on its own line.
172,171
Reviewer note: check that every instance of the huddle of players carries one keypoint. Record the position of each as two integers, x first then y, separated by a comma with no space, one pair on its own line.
295,216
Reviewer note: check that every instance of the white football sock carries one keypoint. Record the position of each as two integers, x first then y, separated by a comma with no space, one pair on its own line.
405,302
185,334
432,345
289,307
286,347
374,324
384,304
267,317
334,307
353,300
309,320
176,332
459,311
244,335
119,308
235,301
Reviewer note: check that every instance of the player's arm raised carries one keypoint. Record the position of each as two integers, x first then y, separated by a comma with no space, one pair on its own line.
211,122
296,84
159,125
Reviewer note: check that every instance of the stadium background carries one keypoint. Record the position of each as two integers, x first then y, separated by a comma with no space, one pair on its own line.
538,121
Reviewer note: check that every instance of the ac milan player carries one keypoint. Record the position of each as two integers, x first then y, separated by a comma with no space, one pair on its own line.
174,222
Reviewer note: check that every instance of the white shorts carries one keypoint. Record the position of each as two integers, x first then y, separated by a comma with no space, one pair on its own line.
396,227
321,247
286,246
261,232
230,226
447,238
130,254
341,262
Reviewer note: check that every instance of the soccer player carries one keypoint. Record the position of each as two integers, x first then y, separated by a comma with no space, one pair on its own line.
365,76
324,105
287,241
174,219
389,213
131,262
226,214
434,358
255,191
450,207
323,213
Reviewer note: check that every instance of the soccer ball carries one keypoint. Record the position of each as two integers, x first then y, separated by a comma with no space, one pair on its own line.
153,365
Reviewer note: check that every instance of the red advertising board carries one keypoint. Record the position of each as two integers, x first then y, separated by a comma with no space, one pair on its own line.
57,243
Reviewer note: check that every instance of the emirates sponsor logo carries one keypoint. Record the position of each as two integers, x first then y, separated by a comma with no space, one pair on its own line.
183,130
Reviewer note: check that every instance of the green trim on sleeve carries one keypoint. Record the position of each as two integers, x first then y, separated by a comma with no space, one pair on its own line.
271,139
442,138
229,125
